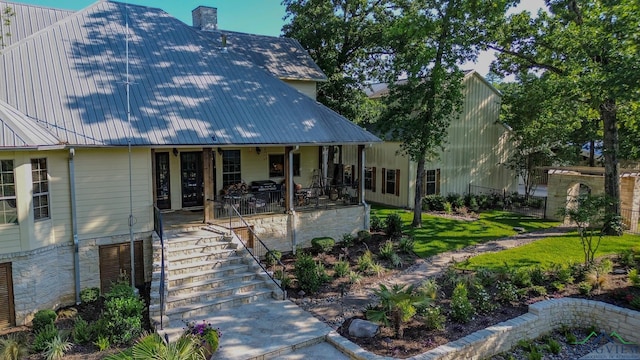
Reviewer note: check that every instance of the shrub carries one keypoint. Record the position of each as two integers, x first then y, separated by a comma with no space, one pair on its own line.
406,244
554,346
121,289
483,302
627,258
634,277
486,277
347,239
433,318
122,316
538,276
354,277
375,223
433,203
306,272
272,257
56,348
376,269
522,278
43,318
539,290
365,261
635,302
597,278
13,347
585,288
473,204
364,235
89,295
456,200
322,244
562,273
341,268
506,292
398,305
461,308
448,208
44,337
393,226
429,288
81,333
386,250
102,343
396,260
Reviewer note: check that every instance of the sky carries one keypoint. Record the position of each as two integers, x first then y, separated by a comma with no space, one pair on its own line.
264,17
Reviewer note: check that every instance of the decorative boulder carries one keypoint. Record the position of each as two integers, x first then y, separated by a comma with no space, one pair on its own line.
363,328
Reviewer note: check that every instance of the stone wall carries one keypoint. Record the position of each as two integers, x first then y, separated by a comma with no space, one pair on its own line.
278,231
45,278
543,317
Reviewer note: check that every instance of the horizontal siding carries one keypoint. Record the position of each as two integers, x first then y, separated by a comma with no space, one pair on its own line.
306,87
9,238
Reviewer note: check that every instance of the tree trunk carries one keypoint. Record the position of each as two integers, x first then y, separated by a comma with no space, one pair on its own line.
417,201
610,150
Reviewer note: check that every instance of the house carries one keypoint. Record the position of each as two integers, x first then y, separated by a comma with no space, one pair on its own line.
99,128
476,149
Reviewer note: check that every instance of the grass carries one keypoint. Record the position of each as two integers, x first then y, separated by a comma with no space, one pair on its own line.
552,250
440,234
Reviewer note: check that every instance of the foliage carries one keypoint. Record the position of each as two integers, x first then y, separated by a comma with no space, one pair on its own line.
322,244
482,299
588,212
375,223
538,276
585,288
102,343
341,268
272,257
204,331
376,269
506,292
397,306
285,280
354,277
44,337
89,295
386,250
429,288
461,308
433,318
365,261
122,314
627,258
56,348
81,333
448,208
406,244
433,203
348,239
396,260
522,277
152,346
364,235
634,277
393,225
13,347
42,318
306,271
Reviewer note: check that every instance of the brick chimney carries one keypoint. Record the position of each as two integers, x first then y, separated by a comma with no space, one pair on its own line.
205,18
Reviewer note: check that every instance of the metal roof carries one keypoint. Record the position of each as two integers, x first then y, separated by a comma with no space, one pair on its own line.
69,78
283,57
28,20
18,131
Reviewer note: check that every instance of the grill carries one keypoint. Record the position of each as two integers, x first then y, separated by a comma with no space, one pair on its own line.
264,185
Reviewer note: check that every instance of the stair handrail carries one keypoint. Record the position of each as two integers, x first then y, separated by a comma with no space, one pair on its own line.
267,250
158,228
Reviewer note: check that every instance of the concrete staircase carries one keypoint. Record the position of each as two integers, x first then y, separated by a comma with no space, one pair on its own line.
204,273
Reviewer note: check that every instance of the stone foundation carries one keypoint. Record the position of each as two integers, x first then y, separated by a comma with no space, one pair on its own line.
45,278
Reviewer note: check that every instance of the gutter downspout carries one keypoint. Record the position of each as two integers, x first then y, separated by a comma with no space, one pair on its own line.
294,240
366,217
74,221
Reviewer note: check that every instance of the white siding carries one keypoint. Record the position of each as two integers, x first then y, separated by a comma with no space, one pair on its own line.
306,87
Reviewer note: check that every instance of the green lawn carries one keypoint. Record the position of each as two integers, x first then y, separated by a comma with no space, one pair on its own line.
439,234
555,250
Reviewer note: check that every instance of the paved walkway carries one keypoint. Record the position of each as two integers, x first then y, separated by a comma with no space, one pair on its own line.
282,330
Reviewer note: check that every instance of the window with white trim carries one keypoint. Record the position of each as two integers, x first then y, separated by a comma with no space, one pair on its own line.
231,174
8,209
431,182
40,180
370,178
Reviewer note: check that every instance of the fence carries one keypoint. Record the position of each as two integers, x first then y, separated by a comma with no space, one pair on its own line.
534,206
631,220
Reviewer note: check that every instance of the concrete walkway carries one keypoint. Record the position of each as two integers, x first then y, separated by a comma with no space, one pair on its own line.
282,330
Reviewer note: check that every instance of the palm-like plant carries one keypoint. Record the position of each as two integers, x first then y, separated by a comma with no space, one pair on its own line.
152,346
13,347
397,306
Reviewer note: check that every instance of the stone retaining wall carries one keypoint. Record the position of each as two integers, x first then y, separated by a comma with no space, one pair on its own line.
45,278
543,317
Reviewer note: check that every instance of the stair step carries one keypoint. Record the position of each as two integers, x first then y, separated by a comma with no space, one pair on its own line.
204,254
204,308
196,266
217,273
196,240
213,283
230,290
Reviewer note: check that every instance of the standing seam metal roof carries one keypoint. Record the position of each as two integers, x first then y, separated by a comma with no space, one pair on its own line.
185,91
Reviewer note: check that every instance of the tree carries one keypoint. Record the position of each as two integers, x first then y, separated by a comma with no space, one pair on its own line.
5,16
397,306
589,48
427,40
343,38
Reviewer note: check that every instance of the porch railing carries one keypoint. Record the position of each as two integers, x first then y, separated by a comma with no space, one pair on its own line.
259,251
158,228
250,203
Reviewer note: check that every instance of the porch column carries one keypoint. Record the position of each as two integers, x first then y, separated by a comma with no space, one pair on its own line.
288,178
207,179
361,163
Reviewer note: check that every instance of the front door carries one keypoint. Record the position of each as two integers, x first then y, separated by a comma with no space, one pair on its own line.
191,169
163,188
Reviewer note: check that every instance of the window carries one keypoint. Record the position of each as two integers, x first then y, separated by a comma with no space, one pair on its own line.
231,167
276,165
431,182
40,189
8,210
370,178
391,181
